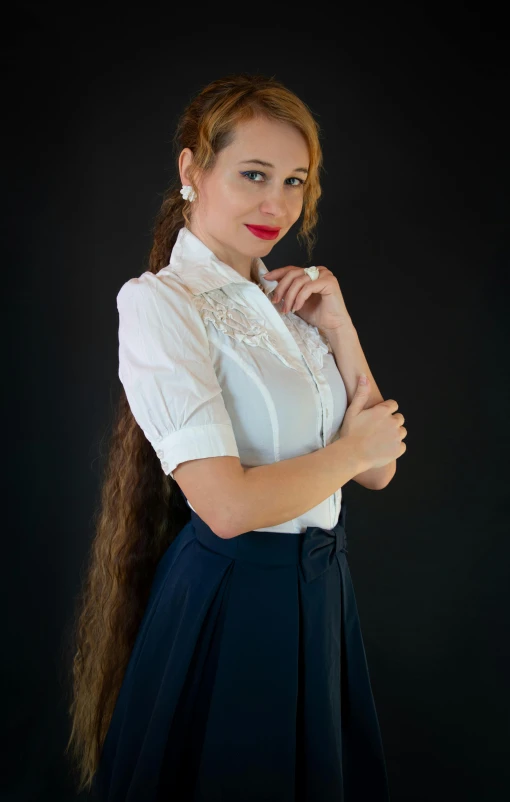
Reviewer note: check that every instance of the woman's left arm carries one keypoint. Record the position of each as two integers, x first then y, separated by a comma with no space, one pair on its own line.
351,361
320,303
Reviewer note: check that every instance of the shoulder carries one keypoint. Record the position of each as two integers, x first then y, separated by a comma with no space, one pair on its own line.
153,289
161,302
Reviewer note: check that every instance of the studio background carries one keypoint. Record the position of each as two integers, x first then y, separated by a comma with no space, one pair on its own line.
414,224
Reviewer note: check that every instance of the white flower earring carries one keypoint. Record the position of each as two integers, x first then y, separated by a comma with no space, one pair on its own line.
188,193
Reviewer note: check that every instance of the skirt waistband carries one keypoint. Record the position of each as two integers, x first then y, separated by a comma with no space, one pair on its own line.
314,549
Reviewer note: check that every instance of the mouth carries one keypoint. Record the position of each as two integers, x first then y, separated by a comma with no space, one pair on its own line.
264,232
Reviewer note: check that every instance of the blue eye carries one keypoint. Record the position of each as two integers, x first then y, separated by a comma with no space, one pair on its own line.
251,172
247,173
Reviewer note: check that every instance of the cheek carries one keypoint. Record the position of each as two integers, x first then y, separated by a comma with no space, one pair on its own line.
237,195
296,205
220,200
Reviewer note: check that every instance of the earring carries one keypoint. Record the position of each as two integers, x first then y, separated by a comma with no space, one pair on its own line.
188,193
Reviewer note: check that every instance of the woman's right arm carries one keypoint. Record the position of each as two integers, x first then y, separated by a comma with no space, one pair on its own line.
268,495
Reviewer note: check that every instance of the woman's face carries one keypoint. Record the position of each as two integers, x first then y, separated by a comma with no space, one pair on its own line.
239,191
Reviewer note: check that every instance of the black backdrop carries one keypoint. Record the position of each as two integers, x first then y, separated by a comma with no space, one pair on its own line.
414,223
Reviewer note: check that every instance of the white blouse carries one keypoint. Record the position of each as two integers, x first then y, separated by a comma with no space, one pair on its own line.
212,368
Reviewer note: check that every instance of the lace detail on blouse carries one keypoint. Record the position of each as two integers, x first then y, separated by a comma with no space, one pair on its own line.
233,316
316,344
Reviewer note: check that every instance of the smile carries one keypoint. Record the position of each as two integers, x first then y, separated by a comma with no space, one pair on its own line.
263,232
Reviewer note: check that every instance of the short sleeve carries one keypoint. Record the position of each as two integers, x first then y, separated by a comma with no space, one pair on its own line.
168,375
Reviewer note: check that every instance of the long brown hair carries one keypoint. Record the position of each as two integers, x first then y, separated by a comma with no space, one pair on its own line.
141,509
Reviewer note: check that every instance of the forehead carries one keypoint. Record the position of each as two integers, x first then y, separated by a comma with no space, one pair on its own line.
270,140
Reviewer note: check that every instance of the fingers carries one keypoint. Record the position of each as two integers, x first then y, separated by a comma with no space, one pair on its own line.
289,288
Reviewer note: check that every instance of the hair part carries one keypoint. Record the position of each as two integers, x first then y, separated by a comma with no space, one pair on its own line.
141,509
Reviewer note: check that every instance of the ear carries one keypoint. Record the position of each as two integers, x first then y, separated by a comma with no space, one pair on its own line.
185,161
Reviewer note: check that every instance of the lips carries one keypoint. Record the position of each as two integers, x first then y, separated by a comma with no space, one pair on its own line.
263,232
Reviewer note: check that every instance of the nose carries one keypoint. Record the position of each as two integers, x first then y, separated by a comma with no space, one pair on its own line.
275,202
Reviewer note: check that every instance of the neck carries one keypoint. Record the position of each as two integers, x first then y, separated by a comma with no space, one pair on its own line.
242,264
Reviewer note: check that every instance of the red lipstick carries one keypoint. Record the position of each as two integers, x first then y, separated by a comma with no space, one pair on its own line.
264,232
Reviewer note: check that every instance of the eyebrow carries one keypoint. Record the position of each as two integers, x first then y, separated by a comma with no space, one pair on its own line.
267,164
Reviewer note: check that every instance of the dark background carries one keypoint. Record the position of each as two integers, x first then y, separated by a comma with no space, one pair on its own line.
414,224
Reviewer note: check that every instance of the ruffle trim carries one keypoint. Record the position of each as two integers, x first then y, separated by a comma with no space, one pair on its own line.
315,343
234,317
238,320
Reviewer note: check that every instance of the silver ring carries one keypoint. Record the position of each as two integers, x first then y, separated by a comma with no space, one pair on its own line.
313,272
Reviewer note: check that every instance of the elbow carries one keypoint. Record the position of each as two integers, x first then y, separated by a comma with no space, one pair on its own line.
387,479
224,528
229,525
236,517
375,478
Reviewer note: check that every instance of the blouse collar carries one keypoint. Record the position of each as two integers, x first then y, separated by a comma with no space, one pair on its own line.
202,271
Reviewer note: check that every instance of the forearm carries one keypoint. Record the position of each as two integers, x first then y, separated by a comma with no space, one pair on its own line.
291,487
351,362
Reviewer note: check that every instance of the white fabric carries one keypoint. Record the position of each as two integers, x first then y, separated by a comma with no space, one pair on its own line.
211,368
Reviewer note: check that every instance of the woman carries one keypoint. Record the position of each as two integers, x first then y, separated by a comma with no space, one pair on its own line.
219,652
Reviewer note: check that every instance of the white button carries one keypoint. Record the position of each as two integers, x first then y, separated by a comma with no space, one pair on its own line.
164,465
159,453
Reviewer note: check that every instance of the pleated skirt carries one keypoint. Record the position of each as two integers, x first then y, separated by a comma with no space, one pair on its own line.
248,680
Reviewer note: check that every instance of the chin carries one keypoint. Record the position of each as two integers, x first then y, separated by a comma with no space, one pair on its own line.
264,249
260,247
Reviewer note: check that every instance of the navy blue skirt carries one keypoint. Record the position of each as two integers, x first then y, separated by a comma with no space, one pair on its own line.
248,680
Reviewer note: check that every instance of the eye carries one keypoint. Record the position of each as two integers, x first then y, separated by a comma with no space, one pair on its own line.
247,173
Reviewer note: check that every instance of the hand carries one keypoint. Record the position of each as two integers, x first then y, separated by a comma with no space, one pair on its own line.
377,433
320,303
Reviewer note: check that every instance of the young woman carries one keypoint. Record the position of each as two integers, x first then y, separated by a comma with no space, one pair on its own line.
219,654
